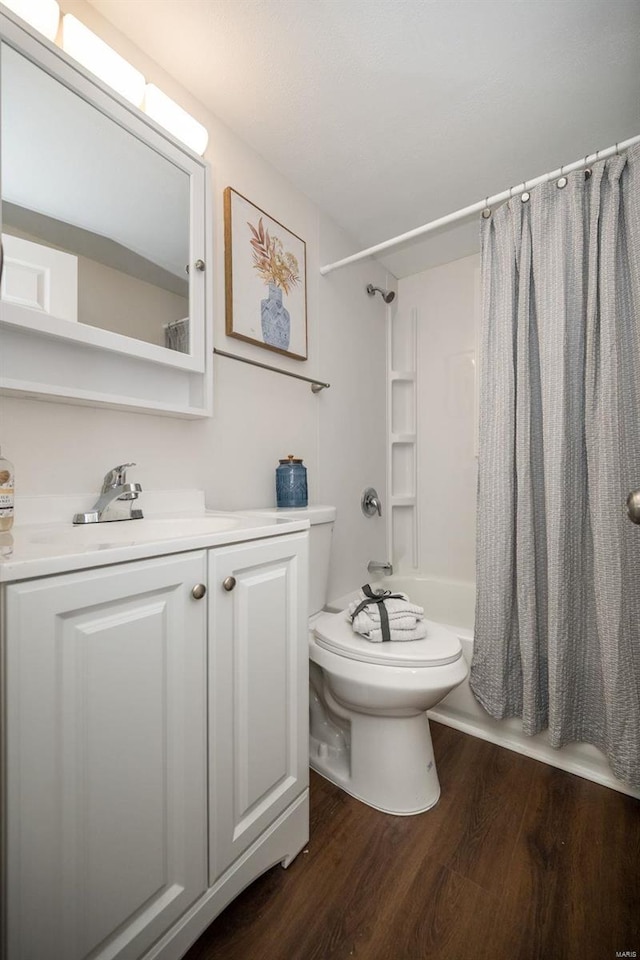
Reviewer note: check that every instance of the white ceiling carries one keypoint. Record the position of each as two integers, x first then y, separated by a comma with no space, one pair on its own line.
389,113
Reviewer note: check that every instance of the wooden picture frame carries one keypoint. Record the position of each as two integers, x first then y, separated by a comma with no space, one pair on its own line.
265,279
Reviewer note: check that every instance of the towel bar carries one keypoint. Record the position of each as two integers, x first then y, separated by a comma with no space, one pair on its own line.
316,385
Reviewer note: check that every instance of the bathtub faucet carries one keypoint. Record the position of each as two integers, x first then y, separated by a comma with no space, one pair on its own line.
380,566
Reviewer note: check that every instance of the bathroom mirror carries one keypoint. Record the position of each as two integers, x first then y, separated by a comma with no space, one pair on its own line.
76,182
103,221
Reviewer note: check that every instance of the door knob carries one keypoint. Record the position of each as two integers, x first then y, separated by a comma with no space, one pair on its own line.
229,583
198,591
633,506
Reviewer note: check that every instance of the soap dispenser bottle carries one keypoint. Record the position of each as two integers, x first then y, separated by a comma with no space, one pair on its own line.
6,494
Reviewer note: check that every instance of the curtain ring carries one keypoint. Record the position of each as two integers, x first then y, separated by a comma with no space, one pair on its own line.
486,213
561,182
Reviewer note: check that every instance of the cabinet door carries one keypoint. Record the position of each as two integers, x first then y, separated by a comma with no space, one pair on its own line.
258,662
106,755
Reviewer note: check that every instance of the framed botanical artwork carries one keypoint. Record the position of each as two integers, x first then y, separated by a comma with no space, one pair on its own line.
265,279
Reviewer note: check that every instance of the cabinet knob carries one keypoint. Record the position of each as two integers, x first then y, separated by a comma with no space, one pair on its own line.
229,583
198,591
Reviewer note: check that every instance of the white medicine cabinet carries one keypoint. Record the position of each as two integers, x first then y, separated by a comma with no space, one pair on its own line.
106,294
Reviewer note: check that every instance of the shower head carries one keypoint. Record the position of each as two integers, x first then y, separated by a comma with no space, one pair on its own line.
387,295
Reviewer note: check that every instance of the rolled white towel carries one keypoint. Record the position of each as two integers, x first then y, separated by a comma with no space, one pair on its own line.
418,633
396,609
364,623
405,619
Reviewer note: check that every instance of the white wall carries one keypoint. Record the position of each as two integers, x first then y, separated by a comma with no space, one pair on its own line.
445,298
61,449
352,427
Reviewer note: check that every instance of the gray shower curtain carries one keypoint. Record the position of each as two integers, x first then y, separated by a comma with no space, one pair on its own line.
557,635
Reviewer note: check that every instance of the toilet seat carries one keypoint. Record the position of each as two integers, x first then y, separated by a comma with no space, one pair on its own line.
333,632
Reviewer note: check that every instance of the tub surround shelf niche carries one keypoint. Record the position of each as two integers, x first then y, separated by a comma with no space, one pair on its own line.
403,406
402,420
403,501
404,535
403,472
401,338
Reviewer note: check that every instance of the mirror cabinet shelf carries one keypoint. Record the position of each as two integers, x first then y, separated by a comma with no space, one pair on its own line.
106,226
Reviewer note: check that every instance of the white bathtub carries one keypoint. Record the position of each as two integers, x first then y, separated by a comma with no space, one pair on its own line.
452,603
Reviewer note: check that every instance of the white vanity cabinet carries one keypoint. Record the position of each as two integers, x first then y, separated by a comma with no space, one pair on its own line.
106,758
258,672
155,744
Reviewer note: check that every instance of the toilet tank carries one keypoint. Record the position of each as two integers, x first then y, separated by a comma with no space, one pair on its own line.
321,519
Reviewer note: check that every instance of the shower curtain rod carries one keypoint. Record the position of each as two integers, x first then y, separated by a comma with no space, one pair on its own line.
481,205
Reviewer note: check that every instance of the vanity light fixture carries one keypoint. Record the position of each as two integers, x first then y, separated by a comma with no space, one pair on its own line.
103,61
173,118
98,57
43,15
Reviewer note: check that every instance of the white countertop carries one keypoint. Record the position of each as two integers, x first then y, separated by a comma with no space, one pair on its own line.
41,549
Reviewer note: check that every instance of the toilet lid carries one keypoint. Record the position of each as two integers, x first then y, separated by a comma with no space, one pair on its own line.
334,632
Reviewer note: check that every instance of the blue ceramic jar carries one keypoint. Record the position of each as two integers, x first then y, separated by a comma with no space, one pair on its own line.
291,483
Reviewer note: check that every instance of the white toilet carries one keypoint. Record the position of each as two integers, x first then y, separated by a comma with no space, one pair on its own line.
369,731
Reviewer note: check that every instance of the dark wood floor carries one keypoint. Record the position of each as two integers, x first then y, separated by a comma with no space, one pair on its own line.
518,861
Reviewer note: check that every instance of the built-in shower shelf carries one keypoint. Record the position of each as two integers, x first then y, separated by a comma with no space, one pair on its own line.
402,418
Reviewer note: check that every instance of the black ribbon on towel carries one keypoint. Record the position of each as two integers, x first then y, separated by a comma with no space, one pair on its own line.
378,597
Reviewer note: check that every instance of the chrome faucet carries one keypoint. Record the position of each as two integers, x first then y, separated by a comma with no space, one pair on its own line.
110,504
380,566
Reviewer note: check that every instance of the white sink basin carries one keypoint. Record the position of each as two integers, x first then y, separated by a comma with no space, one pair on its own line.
44,547
118,532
